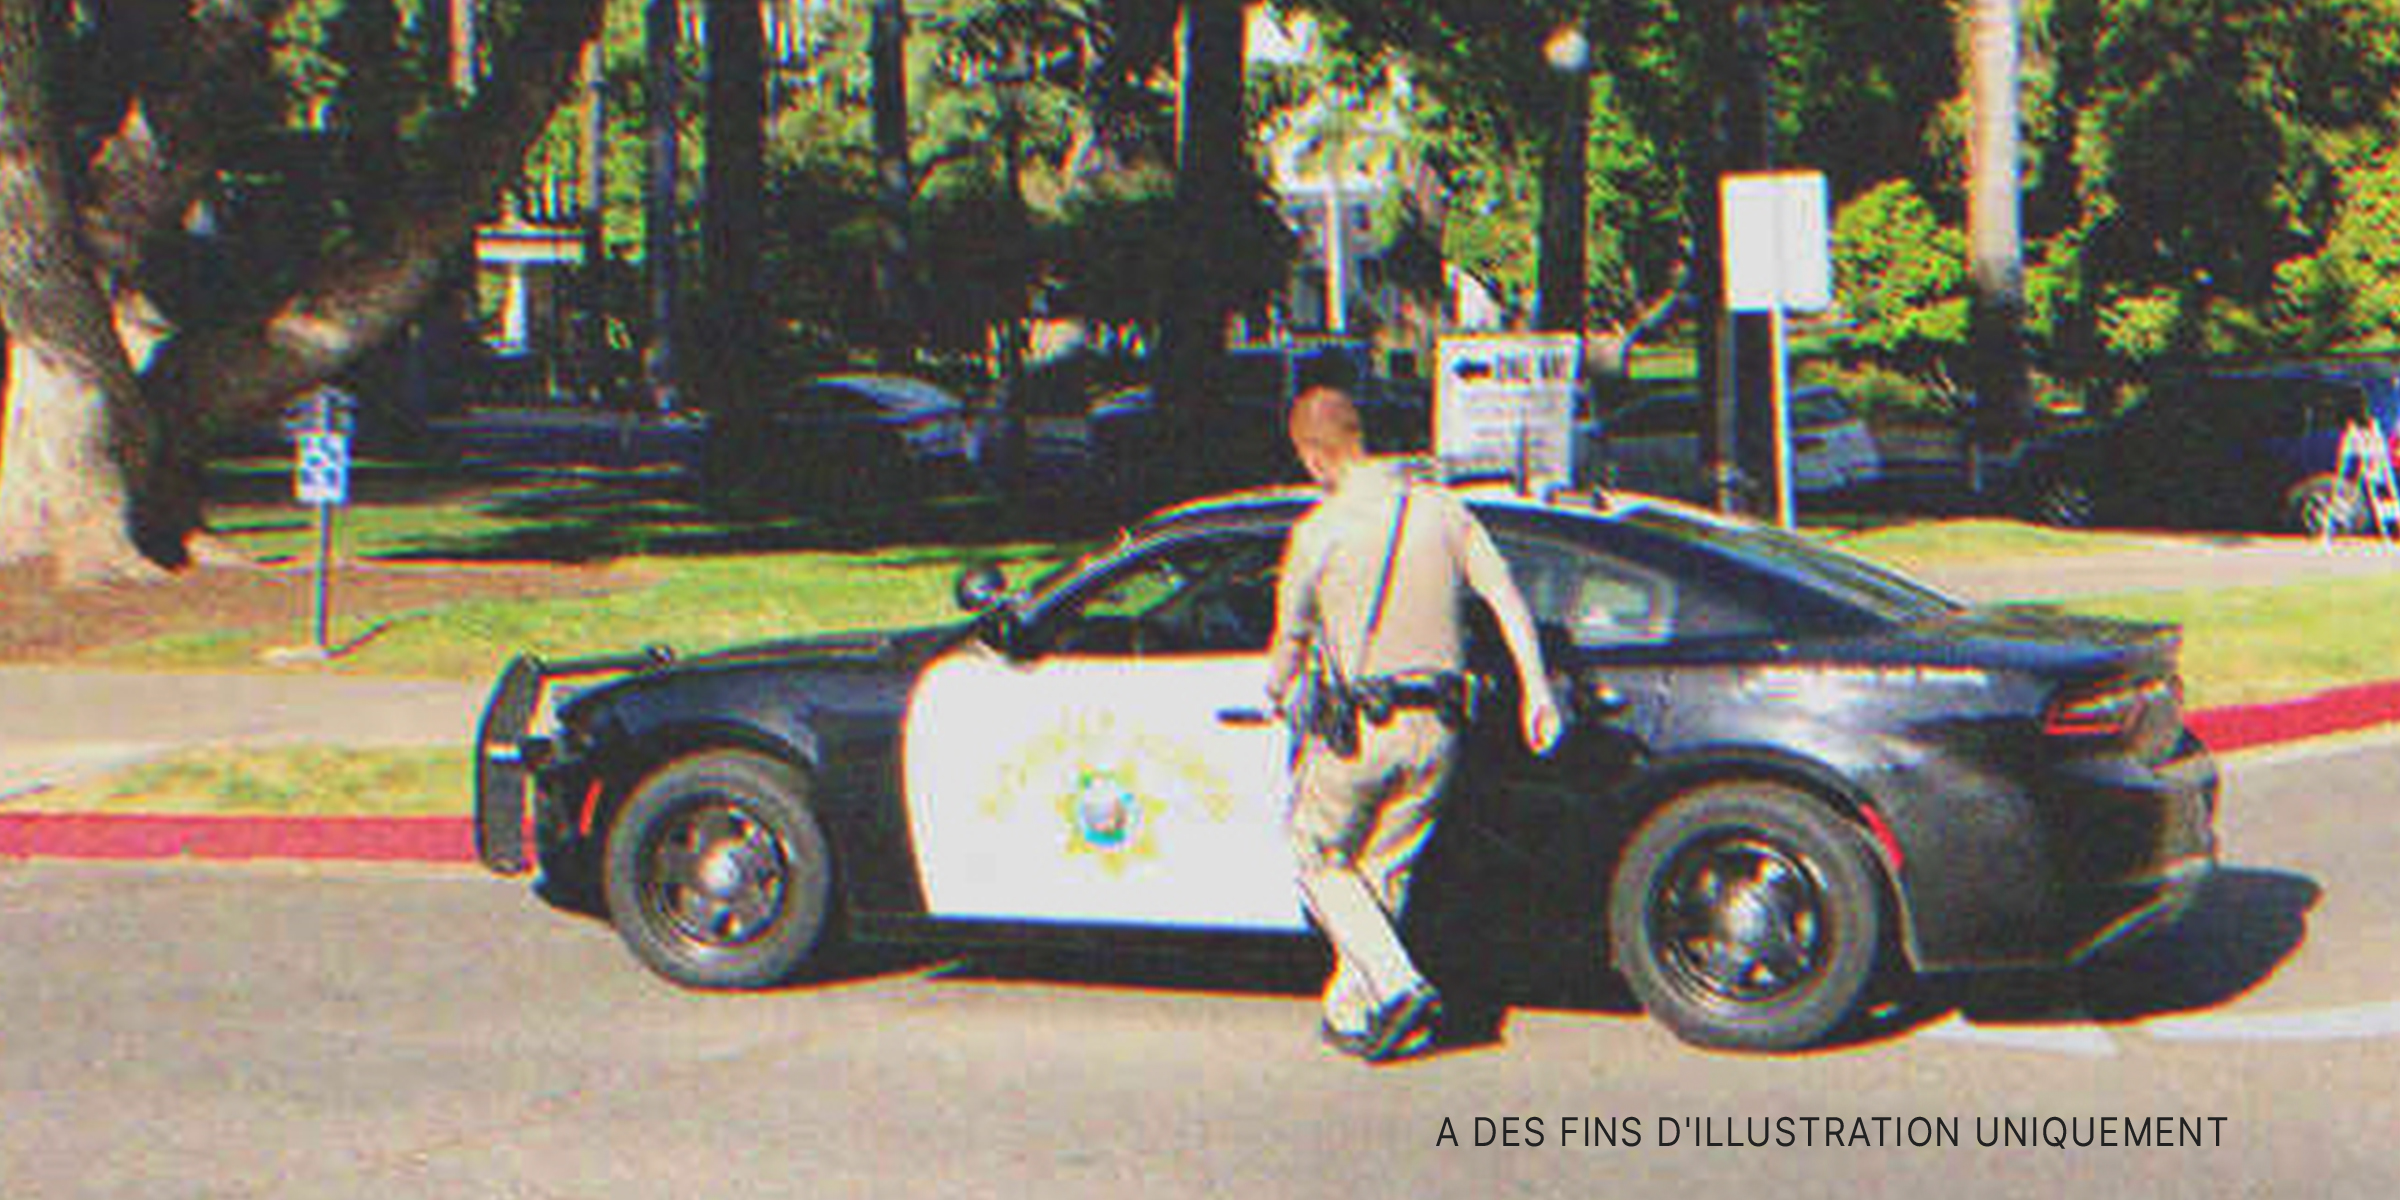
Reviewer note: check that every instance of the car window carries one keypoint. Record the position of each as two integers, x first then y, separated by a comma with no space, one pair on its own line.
1852,581
1213,594
1596,600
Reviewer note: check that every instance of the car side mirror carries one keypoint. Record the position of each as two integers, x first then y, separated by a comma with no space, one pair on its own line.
980,588
999,628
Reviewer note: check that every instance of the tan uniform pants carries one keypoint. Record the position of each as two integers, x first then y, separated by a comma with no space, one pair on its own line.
1356,827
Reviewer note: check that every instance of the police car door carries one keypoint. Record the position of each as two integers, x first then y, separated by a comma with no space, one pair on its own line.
1119,765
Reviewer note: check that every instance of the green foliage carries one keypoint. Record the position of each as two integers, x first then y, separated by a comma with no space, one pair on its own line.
1901,278
2196,201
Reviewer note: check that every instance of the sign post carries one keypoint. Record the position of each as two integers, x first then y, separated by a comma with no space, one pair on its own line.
1505,404
1778,259
321,480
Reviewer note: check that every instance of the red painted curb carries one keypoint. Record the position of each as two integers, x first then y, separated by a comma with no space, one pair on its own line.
140,836
2341,710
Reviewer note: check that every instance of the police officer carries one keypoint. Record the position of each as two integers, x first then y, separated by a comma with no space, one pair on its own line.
1370,598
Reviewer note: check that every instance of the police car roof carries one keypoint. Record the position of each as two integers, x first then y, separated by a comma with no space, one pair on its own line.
1484,490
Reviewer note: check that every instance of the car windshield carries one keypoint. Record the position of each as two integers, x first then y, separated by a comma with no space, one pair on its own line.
1886,594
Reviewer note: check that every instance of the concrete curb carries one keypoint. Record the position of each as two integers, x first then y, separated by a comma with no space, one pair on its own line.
451,840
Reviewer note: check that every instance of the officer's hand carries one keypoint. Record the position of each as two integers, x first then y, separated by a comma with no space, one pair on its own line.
1544,725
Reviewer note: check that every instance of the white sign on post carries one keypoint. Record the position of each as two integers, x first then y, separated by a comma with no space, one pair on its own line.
323,475
1504,404
1778,250
1778,259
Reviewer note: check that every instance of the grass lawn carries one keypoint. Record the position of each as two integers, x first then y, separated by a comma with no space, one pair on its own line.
711,583
705,581
1912,545
2242,645
280,781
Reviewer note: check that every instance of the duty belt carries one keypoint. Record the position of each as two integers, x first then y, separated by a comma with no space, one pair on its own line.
1450,694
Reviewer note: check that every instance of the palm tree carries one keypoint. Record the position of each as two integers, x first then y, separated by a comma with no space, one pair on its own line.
1996,305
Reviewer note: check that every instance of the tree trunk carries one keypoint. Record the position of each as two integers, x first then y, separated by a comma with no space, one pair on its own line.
1565,208
76,434
894,183
662,23
1190,359
351,303
732,198
1996,271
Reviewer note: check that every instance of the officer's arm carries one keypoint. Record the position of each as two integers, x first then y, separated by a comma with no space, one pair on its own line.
1294,621
1488,574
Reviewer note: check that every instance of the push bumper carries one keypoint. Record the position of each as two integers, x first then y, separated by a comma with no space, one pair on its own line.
509,756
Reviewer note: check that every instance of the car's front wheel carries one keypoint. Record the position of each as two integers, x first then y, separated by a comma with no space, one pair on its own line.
718,873
1747,915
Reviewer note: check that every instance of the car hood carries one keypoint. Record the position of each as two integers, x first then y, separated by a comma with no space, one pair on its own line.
873,662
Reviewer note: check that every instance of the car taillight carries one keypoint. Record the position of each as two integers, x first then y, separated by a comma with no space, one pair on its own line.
2107,709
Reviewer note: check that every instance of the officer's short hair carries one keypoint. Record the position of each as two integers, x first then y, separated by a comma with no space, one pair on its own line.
1326,417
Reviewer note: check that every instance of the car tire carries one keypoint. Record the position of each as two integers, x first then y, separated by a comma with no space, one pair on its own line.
1747,915
718,873
2324,506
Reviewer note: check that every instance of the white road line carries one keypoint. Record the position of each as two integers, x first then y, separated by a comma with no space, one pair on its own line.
2082,1041
2348,1023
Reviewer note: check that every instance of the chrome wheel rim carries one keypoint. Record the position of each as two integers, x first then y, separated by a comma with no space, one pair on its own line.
715,876
1740,919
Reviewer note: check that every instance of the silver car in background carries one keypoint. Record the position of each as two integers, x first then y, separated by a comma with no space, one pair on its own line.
1653,446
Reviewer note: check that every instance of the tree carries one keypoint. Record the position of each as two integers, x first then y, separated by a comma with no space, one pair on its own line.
732,197
113,372
77,431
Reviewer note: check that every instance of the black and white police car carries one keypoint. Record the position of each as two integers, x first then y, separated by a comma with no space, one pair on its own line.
1786,768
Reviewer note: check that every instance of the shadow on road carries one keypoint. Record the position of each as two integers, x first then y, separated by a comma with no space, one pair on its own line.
2245,924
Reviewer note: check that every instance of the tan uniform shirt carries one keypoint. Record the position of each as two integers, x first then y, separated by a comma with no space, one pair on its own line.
1330,568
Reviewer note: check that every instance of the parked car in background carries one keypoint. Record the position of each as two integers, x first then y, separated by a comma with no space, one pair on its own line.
2253,449
1653,445
1127,439
847,437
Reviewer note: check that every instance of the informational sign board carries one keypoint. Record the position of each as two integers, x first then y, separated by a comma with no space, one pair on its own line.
1778,246
322,474
1504,404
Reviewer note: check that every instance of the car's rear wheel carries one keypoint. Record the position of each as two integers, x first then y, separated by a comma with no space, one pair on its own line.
718,873
2325,506
1747,915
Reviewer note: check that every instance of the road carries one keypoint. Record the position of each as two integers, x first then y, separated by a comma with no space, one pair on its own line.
269,1031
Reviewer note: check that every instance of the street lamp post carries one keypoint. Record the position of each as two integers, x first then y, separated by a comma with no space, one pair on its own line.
1565,191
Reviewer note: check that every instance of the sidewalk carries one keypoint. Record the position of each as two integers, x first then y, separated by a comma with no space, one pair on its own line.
59,723
2176,563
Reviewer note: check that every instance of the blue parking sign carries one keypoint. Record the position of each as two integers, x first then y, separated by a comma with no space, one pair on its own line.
323,477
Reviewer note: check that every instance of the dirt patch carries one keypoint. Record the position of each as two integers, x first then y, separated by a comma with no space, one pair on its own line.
42,623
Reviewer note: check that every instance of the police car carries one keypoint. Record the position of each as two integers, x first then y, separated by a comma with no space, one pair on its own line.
1786,769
